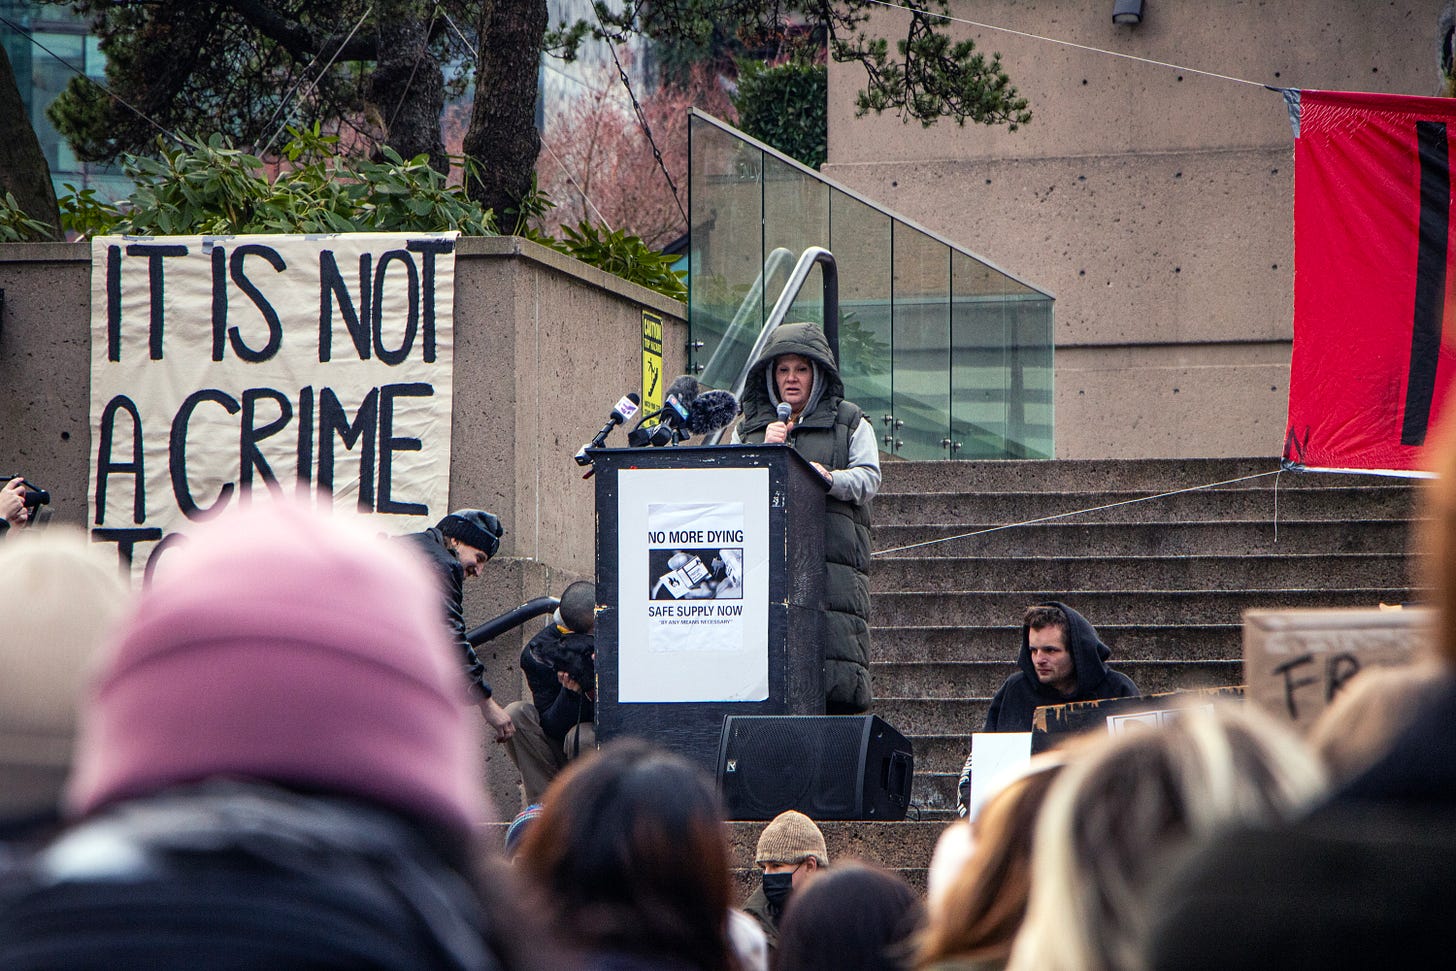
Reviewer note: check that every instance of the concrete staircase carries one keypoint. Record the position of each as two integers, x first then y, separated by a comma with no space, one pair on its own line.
1164,580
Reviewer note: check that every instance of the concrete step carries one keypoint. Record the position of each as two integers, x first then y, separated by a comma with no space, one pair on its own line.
1000,642
1068,474
1138,538
1126,607
935,792
933,716
1091,573
970,679
941,753
1120,505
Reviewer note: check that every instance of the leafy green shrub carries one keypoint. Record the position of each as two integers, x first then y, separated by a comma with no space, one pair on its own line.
16,226
84,214
211,188
623,255
786,106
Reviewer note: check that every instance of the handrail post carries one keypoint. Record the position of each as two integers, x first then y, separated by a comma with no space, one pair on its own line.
830,270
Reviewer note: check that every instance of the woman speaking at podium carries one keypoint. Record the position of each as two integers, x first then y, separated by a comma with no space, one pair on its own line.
794,395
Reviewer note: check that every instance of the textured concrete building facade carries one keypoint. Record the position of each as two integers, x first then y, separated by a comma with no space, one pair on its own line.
1155,202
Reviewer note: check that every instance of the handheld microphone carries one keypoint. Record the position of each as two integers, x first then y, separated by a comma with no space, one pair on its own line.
784,411
711,411
625,408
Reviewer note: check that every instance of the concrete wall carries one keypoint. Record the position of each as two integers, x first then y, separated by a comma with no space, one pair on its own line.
1155,203
544,346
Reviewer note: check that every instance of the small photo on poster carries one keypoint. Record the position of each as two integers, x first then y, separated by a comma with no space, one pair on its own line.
696,574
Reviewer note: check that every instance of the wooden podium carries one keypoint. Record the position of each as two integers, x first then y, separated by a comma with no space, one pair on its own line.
710,591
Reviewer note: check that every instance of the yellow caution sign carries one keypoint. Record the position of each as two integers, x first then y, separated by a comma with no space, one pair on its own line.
651,361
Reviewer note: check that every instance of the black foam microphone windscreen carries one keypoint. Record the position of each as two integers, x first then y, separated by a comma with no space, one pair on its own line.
679,398
711,411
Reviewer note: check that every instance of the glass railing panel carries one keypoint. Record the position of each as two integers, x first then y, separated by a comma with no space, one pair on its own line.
860,241
1030,360
795,217
948,355
921,366
726,304
980,324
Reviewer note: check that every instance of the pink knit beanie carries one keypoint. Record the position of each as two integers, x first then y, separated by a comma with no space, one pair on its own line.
280,644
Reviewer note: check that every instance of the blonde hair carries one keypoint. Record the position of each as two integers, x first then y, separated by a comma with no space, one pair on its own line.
1437,539
1369,712
1124,811
981,911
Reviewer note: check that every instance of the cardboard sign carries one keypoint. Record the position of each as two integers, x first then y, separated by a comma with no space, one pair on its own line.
1296,661
1055,723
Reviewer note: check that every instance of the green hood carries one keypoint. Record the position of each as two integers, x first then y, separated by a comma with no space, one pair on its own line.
806,340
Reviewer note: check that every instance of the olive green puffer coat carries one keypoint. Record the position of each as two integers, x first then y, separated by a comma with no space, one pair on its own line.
822,434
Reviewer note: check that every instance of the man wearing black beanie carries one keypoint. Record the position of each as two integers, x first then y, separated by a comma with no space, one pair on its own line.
459,546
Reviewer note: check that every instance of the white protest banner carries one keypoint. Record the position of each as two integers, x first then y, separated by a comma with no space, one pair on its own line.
693,581
230,367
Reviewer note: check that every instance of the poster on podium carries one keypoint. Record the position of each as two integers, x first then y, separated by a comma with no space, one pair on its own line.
693,585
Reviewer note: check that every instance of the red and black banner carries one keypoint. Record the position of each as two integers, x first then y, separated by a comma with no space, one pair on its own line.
1372,257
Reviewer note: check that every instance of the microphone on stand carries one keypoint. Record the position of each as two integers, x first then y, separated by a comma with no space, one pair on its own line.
711,411
625,408
678,402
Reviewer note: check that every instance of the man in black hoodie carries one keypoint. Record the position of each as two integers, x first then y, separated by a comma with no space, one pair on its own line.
1062,660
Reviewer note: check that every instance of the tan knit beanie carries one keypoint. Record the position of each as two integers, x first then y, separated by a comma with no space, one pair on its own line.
60,600
792,837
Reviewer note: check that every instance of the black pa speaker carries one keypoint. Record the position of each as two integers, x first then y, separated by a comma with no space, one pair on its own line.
825,766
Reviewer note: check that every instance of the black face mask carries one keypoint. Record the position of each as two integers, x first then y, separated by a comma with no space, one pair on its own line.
776,887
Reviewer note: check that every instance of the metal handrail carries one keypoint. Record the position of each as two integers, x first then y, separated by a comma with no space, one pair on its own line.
796,281
776,261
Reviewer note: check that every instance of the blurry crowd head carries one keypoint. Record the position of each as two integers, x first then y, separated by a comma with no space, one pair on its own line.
287,646
1369,712
630,857
978,914
1123,812
1438,542
59,599
851,918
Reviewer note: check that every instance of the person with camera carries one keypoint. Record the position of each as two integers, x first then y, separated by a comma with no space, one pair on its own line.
14,510
560,667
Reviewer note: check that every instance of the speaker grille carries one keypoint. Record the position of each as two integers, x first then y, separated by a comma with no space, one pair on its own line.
803,762
826,766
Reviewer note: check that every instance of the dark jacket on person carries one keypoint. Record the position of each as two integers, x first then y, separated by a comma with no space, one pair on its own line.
758,907
559,709
1418,771
1013,706
451,574
822,434
228,875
